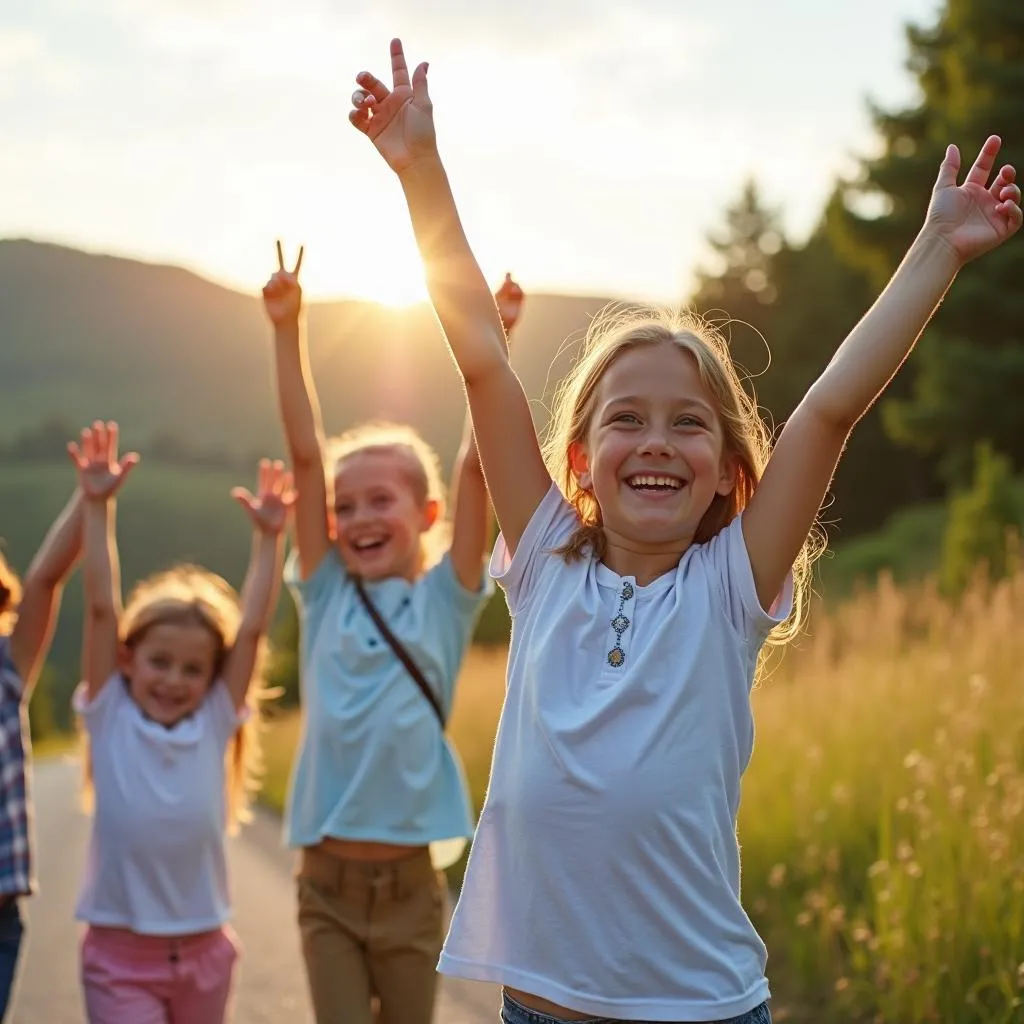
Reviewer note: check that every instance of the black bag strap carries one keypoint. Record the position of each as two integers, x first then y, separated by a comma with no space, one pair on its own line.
400,652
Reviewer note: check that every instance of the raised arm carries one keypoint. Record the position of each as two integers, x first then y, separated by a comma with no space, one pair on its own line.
268,510
41,592
399,122
962,222
300,413
471,520
100,476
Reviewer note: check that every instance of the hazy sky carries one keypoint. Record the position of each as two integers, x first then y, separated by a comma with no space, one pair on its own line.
591,143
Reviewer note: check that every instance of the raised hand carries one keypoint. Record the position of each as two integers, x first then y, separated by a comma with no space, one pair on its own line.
509,299
100,471
974,217
399,121
269,507
282,294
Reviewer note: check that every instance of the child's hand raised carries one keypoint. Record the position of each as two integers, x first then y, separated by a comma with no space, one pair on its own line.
398,121
269,507
509,299
100,472
282,294
974,217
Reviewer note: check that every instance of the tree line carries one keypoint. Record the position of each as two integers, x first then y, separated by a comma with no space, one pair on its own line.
959,394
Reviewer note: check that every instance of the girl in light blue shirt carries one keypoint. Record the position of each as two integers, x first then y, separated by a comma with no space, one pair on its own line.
376,784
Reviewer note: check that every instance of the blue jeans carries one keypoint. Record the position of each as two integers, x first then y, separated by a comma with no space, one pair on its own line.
514,1013
11,931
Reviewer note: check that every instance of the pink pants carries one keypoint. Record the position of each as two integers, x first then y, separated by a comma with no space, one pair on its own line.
147,979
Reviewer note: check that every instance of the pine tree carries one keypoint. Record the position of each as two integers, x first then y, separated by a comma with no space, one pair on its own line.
793,305
738,292
743,249
966,380
821,299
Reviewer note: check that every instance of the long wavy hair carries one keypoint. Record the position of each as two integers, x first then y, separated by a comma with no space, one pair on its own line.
746,437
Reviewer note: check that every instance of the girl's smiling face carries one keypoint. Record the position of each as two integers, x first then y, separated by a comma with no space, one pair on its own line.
654,454
170,669
380,516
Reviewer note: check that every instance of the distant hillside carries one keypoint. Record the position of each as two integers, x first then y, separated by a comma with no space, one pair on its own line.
164,351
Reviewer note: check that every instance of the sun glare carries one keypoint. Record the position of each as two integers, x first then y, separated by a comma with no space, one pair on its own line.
373,257
390,281
385,279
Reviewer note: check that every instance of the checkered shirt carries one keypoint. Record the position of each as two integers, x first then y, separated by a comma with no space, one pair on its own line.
15,783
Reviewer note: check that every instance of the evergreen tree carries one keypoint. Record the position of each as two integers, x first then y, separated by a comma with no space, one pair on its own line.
804,300
964,382
739,292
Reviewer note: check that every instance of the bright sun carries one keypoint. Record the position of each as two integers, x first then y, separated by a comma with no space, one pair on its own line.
387,279
376,259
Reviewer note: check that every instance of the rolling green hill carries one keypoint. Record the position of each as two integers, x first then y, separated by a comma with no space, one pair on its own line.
165,352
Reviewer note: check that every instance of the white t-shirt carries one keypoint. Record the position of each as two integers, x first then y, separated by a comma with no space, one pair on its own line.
156,861
605,871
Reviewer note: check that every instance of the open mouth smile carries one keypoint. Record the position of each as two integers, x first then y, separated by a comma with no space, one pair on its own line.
367,545
655,483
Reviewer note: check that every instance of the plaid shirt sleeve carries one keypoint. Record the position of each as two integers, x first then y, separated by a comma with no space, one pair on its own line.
15,807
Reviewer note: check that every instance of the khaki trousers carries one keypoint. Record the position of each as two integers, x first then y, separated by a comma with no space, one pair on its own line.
370,929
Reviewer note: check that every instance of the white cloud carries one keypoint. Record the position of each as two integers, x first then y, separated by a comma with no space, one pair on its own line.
18,48
591,143
28,64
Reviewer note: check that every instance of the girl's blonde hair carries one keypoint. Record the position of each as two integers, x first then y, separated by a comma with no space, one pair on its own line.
746,438
424,471
188,595
10,596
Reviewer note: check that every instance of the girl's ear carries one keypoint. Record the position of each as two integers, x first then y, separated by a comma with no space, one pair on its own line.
579,462
124,659
431,513
728,475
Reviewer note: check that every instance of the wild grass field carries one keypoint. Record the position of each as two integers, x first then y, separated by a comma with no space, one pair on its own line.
882,825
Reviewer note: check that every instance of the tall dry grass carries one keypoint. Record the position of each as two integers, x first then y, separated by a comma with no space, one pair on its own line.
882,825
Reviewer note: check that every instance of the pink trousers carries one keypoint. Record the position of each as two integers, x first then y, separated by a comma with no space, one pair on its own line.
146,979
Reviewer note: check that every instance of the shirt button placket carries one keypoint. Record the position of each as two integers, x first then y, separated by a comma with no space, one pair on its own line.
621,627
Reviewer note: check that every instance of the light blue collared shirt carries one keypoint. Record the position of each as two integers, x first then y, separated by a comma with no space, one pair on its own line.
373,763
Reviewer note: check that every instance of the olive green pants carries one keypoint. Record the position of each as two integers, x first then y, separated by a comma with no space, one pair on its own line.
370,929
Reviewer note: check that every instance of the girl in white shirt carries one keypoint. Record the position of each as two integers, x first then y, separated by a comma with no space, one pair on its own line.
645,562
165,702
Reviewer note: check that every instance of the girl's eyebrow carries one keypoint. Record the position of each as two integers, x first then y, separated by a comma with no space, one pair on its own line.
700,404
686,403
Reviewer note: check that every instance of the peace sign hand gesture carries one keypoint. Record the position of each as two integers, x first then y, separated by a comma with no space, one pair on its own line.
974,217
269,507
399,121
282,294
100,472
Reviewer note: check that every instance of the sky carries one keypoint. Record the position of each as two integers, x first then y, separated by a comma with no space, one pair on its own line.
591,144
